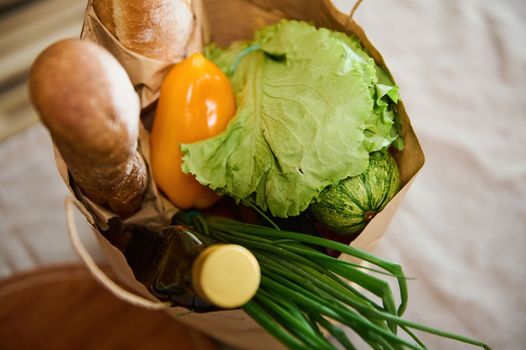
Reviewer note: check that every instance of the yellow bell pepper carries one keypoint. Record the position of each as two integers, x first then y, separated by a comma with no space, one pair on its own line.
196,102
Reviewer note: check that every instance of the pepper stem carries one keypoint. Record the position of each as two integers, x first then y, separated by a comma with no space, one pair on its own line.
241,55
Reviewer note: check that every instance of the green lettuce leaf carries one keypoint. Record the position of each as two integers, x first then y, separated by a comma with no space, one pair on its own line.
310,108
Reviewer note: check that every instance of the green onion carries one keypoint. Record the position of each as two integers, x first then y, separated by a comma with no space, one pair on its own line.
303,292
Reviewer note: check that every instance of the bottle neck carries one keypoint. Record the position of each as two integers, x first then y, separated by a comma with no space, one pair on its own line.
173,279
179,265
161,260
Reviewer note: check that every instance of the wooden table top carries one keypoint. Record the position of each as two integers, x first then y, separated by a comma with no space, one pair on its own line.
63,307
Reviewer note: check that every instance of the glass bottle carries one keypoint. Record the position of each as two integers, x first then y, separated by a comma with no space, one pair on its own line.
186,268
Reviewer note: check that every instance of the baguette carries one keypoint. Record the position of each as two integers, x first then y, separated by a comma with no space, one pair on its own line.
87,102
153,28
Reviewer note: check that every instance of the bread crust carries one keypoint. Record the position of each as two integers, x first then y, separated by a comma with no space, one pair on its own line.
86,100
153,28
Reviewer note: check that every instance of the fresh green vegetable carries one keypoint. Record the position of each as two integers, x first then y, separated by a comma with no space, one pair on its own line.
302,290
348,206
311,106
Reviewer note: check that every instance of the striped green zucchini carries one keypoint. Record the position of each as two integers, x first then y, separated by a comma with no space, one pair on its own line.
347,207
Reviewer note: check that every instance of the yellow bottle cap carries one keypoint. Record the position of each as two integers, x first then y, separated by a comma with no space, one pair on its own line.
226,275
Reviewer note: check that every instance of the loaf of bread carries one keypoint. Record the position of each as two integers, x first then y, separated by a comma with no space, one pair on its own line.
86,100
153,28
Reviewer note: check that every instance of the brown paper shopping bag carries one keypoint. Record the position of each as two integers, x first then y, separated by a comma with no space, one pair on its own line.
221,22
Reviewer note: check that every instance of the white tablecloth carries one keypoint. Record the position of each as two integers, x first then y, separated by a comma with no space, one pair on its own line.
461,231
